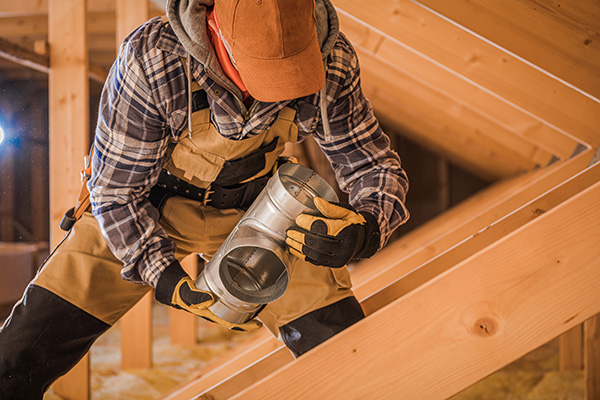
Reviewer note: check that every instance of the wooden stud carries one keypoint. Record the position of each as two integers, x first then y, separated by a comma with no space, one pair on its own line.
75,385
136,335
136,325
570,356
480,315
68,141
183,325
592,358
130,14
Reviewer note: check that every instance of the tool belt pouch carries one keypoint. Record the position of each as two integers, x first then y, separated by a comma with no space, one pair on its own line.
74,213
83,203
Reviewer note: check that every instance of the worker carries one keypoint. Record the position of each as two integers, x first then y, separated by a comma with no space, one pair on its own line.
193,116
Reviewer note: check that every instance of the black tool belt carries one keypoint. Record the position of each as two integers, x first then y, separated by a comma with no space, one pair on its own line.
237,196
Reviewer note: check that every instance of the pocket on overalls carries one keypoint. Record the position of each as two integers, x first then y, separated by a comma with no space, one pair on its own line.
191,162
340,278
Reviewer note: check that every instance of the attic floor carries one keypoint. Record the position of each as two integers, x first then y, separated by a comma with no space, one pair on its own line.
533,377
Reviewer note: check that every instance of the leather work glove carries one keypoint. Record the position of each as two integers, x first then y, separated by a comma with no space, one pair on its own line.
176,289
334,238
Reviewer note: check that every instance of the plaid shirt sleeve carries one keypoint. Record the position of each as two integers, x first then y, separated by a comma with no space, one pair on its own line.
130,144
359,152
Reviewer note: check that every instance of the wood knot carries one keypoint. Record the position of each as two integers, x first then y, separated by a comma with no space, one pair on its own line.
485,327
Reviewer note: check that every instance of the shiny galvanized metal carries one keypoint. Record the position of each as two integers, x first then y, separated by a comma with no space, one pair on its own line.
252,267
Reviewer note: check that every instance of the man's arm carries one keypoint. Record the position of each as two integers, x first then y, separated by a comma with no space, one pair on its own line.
360,153
130,145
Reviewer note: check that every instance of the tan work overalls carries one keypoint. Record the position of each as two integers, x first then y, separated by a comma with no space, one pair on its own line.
83,270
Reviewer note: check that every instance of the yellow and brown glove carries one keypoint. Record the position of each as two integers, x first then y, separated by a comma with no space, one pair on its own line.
334,238
176,289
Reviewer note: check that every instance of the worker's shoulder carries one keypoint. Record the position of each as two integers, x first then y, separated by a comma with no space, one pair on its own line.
153,35
343,54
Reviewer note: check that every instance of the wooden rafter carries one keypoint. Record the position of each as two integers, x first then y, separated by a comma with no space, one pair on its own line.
422,255
40,62
485,312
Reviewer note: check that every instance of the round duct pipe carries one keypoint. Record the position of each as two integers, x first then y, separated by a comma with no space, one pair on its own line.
253,265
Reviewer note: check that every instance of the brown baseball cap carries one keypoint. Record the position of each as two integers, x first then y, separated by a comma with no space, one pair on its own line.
274,46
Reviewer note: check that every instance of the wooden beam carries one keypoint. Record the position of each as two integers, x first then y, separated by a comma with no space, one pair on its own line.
399,258
23,56
417,272
136,325
130,15
249,375
592,358
68,138
409,62
183,326
437,108
259,346
480,315
136,335
570,355
40,7
40,62
102,23
464,222
557,37
468,56
401,255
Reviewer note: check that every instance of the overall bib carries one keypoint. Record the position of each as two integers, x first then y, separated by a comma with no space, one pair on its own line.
78,292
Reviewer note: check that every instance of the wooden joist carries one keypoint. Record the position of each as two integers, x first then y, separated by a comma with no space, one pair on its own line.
466,221
418,274
258,347
592,358
183,326
10,8
560,37
411,37
68,88
41,62
20,55
481,314
378,288
136,325
136,334
570,356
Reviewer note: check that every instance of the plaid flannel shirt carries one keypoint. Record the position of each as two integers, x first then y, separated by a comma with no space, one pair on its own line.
144,107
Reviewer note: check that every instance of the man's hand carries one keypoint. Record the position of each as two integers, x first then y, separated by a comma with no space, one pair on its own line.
187,297
330,240
176,289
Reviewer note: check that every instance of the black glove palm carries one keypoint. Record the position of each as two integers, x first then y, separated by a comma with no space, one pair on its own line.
176,289
330,240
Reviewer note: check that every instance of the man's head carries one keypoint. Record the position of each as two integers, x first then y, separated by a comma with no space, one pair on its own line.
274,46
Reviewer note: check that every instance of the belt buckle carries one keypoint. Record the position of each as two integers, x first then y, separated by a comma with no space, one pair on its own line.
206,198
